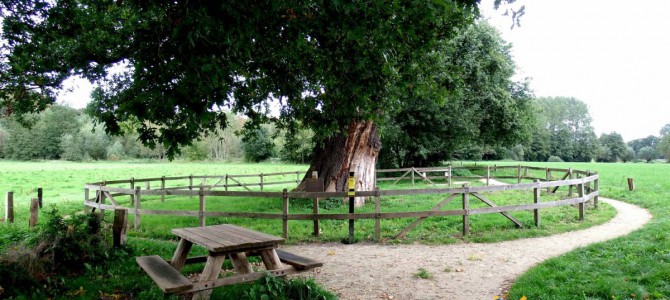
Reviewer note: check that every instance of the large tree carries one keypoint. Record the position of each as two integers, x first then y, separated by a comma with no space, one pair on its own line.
336,67
478,103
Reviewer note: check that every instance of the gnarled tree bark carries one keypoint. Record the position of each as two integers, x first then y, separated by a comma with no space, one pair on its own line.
357,150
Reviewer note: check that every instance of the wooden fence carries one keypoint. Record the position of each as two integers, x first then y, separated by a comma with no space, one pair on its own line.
583,182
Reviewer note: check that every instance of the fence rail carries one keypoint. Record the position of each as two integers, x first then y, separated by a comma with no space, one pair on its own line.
585,183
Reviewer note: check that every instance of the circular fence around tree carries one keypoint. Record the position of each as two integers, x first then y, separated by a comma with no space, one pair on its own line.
582,187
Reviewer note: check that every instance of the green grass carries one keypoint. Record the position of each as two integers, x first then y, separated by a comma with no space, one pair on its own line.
636,266
63,186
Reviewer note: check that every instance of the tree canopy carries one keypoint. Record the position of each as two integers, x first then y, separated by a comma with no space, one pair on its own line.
182,63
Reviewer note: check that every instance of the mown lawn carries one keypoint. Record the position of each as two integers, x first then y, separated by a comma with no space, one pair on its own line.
636,266
63,187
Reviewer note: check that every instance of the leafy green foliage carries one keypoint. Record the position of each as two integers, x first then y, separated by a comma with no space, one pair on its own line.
664,147
258,145
612,147
36,267
327,62
466,99
649,141
563,129
647,153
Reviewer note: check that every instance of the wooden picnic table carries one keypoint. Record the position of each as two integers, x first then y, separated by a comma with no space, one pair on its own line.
222,241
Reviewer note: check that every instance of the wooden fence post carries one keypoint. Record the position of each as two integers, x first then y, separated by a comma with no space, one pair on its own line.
190,182
132,187
119,227
450,176
631,184
536,200
580,192
9,207
570,176
261,175
297,177
595,188
102,198
163,189
413,170
488,175
201,211
148,185
518,174
378,224
86,198
39,197
285,213
466,210
315,207
138,204
226,185
548,176
34,208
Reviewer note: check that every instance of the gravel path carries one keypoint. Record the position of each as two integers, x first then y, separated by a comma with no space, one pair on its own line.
460,271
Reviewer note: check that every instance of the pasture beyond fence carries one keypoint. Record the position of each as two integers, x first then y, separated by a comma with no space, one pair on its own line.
583,182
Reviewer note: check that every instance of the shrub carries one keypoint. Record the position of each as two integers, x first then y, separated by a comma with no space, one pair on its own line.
116,151
554,159
34,268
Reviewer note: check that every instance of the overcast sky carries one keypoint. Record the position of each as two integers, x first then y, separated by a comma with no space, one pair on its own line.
613,55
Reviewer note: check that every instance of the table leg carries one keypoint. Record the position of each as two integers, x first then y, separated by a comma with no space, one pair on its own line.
240,262
271,259
179,257
211,272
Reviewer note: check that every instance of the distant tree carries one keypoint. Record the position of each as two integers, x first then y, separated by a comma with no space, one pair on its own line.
258,145
650,141
613,146
563,130
629,155
4,137
296,145
665,130
116,151
664,147
647,153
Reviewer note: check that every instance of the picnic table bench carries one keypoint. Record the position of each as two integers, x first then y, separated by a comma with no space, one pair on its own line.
222,241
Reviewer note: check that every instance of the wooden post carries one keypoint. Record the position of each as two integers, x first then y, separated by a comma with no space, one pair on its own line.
285,214
466,208
570,176
548,176
162,188
9,207
536,200
315,208
261,175
226,186
413,176
297,177
580,192
518,174
595,188
201,211
631,184
352,192
148,185
119,227
86,195
450,176
138,204
190,182
378,224
39,197
488,175
132,187
102,198
34,207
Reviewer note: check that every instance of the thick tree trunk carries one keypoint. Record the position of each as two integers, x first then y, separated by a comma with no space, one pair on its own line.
356,151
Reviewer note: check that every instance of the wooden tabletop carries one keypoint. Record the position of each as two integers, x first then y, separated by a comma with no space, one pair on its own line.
227,238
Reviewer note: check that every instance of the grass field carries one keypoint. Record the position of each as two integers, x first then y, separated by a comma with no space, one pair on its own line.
63,185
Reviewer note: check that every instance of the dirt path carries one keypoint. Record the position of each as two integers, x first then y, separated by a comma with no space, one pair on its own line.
461,271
